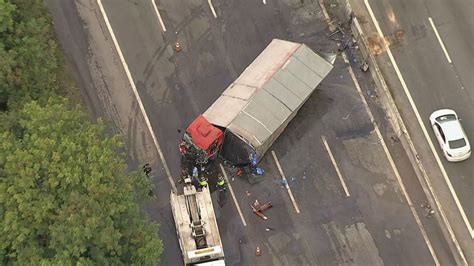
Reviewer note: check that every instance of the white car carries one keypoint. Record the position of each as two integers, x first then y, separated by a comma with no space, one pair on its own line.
450,135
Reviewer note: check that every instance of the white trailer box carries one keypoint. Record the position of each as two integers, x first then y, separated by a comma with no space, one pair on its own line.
260,103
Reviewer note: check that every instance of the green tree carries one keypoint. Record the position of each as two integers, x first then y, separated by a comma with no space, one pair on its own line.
29,54
65,197
6,60
6,19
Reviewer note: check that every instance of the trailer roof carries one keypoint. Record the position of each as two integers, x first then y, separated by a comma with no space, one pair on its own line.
259,104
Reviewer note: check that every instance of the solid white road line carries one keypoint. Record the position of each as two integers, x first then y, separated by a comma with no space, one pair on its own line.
392,164
286,183
423,128
212,8
158,14
440,40
233,195
334,163
137,96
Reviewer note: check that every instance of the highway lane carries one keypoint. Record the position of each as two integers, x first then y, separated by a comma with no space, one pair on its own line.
374,224
215,51
455,23
434,83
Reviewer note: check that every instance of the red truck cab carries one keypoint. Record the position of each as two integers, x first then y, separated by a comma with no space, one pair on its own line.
201,141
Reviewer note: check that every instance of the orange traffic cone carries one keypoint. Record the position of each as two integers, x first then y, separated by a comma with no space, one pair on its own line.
257,251
177,47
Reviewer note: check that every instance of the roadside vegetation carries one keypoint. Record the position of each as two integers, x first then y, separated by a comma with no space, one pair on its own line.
66,194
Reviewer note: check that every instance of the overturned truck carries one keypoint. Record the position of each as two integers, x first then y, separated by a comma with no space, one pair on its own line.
255,109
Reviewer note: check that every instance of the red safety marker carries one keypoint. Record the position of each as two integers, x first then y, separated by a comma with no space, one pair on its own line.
257,209
258,213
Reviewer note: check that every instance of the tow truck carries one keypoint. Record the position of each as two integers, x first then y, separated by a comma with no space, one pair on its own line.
196,226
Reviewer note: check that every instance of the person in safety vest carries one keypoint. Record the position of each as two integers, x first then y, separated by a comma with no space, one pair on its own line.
221,183
202,181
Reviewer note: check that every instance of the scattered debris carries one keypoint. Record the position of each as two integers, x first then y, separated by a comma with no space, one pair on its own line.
364,66
429,213
281,182
394,138
258,209
429,210
177,47
335,32
303,177
292,179
256,203
247,193
258,171
257,251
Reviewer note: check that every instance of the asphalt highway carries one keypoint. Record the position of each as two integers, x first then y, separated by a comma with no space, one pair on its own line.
435,58
357,214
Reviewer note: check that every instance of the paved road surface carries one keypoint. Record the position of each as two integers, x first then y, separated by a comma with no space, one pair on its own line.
371,226
437,78
433,82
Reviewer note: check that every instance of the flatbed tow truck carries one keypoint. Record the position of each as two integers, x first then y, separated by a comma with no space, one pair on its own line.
196,226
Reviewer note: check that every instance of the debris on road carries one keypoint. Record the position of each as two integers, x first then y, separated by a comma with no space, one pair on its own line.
258,171
258,209
177,47
281,182
429,210
364,66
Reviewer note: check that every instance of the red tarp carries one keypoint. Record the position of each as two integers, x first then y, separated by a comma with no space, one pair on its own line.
203,133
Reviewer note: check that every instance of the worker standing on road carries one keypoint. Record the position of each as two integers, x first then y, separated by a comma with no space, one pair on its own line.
220,183
147,169
202,181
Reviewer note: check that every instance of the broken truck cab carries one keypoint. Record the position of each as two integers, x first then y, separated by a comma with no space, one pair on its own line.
256,108
201,141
